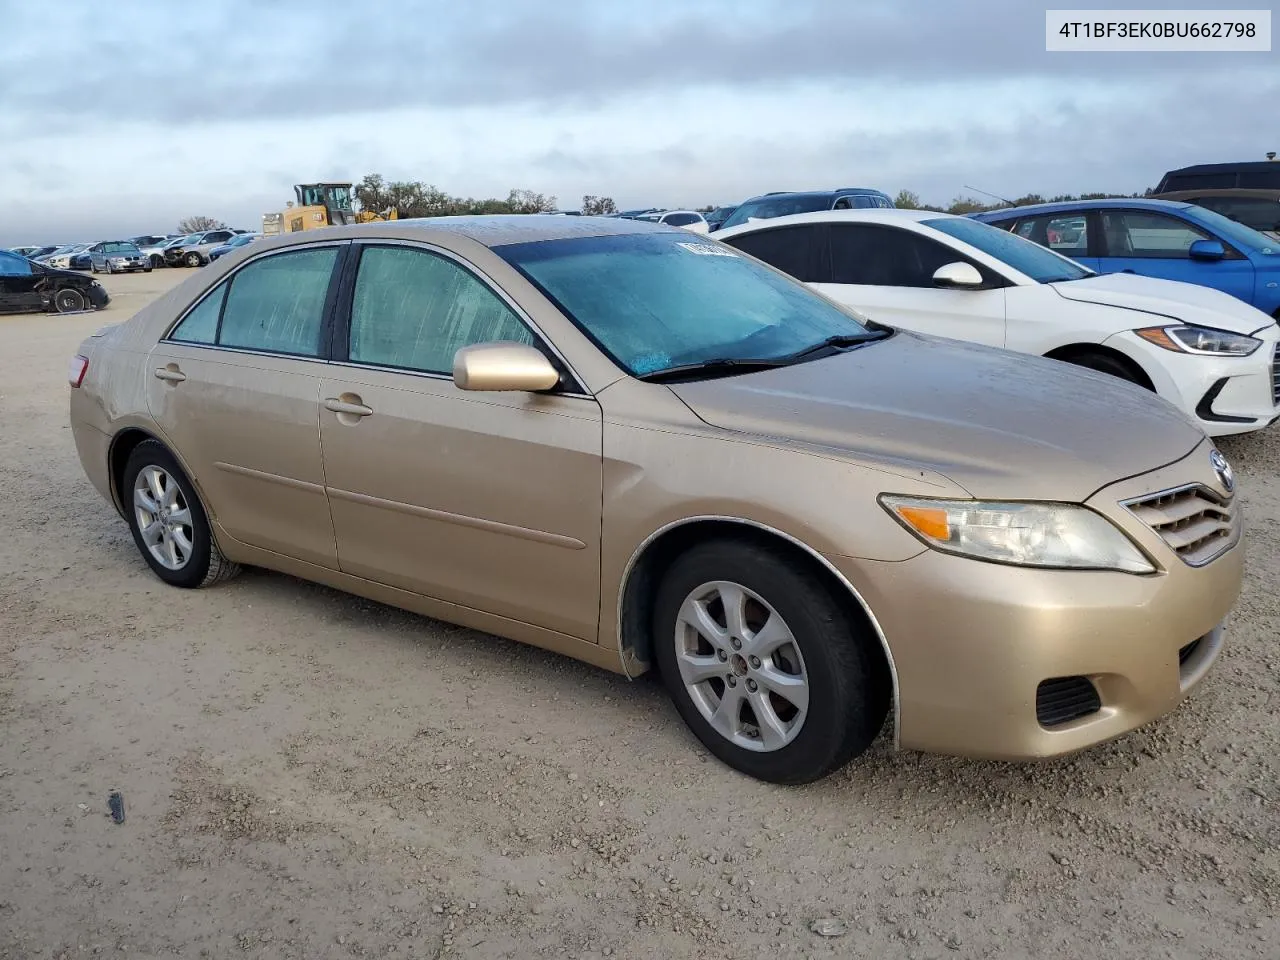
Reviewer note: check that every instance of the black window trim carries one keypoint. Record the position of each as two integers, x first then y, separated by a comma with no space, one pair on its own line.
571,383
1231,252
999,281
326,317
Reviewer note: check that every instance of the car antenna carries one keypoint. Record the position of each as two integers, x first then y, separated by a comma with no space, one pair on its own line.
989,194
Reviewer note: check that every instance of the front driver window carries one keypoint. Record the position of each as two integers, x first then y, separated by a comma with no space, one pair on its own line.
12,265
885,256
1136,233
415,310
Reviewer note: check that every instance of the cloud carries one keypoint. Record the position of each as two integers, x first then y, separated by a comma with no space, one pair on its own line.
218,108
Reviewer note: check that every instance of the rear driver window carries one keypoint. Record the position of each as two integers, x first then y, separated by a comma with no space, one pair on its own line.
201,324
277,304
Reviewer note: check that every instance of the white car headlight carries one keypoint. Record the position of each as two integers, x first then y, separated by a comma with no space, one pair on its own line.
1057,535
1204,341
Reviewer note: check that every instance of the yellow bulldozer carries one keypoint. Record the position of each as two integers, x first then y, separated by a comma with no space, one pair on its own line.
319,205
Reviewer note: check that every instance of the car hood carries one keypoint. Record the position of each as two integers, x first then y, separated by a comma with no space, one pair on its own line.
1001,425
1187,302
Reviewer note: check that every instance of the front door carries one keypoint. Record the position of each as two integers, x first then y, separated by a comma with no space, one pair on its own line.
236,390
488,500
18,283
886,272
1157,245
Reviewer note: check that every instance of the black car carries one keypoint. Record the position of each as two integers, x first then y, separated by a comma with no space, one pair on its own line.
117,256
27,286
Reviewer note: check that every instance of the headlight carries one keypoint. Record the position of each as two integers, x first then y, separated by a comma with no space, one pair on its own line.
1205,341
1059,535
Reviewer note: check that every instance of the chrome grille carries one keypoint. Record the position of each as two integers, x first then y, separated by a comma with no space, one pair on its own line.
1197,524
1275,376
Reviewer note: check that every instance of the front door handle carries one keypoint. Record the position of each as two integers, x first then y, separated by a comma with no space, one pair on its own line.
355,409
171,373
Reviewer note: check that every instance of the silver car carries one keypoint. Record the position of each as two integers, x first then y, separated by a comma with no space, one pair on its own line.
195,252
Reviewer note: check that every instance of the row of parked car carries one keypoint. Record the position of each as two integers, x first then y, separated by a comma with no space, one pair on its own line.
141,253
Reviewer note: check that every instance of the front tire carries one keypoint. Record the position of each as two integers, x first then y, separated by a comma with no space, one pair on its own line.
772,673
1112,366
168,522
193,260
157,260
68,300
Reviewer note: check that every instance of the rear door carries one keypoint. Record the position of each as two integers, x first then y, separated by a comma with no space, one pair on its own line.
887,273
1070,234
488,500
1153,244
235,388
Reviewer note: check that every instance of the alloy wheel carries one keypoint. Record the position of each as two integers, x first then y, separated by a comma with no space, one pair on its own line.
741,666
163,517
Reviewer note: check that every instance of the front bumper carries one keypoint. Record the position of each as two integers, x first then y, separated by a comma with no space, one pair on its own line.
972,642
1225,395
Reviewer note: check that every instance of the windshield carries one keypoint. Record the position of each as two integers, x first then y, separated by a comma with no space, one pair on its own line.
653,301
119,247
782,205
1237,233
1037,262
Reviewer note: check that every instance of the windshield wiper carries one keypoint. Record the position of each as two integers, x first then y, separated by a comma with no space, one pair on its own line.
724,366
840,341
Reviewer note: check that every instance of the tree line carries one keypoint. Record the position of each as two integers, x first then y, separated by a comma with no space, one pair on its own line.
413,198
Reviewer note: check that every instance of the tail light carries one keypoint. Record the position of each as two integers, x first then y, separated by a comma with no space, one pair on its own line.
76,370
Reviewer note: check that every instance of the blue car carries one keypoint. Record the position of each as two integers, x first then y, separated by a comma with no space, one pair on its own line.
1155,238
235,243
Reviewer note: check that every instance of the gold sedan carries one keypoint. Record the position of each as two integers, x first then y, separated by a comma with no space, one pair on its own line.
642,448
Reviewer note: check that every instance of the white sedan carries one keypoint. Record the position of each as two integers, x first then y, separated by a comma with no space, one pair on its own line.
1206,352
690,220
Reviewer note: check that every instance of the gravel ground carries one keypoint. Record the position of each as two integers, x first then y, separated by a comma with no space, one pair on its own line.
311,775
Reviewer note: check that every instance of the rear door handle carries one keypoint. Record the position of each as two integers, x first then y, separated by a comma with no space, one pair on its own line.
343,406
170,373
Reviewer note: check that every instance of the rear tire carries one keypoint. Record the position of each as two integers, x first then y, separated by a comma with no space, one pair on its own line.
168,521
68,300
740,691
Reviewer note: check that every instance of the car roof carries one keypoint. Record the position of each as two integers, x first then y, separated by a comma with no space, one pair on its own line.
863,191
867,215
1241,166
492,231
1067,206
1244,193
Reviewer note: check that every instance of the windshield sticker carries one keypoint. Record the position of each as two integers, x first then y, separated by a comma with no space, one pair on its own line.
707,250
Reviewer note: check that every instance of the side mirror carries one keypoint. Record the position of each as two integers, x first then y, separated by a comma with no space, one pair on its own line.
1206,250
503,365
957,275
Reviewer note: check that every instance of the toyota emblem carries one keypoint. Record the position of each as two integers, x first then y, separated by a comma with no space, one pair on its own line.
1223,470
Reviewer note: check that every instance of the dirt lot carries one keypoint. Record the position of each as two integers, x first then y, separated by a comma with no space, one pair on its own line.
311,775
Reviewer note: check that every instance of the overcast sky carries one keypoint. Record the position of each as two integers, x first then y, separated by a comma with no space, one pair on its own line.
120,118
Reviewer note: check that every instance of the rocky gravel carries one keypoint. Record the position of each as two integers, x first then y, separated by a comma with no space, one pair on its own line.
309,775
